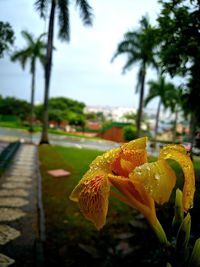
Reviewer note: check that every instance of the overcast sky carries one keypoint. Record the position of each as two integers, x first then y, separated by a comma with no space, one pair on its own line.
81,69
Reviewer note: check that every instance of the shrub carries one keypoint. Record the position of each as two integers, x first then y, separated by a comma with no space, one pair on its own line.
129,133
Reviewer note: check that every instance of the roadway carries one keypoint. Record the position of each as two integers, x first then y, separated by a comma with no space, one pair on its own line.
9,135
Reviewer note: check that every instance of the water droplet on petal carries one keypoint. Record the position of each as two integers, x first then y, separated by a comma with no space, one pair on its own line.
148,168
157,176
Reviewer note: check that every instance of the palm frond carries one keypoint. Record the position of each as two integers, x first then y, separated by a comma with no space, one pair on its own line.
42,60
86,13
124,47
129,63
148,99
28,37
41,36
156,88
35,49
22,56
41,6
132,37
144,22
63,20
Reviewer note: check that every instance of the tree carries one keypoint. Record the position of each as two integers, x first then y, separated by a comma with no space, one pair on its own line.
64,109
13,106
6,37
130,116
139,46
76,119
62,8
35,50
165,92
180,50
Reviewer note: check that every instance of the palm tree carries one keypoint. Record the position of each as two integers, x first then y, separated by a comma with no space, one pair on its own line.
35,50
165,92
175,104
139,46
62,8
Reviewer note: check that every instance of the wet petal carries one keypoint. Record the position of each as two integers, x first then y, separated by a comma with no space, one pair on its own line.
89,175
136,196
179,155
93,200
131,155
99,166
177,147
127,160
103,162
139,143
157,178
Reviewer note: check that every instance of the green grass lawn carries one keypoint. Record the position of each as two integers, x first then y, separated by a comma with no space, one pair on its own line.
73,241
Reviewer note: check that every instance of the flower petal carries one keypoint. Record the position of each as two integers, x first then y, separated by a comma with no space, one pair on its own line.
158,179
179,154
93,200
131,155
89,175
103,162
139,143
127,160
177,147
99,166
136,196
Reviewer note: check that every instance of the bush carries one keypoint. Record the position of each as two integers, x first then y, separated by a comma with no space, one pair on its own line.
129,133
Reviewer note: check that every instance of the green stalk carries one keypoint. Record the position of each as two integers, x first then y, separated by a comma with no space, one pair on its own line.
195,258
160,233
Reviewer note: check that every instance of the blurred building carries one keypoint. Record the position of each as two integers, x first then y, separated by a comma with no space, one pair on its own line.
112,113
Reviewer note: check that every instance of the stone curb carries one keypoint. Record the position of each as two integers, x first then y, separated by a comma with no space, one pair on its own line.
7,154
39,243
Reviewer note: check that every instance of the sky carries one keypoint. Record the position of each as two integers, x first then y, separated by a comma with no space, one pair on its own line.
82,69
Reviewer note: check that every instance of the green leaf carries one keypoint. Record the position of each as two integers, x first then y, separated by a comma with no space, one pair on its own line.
195,257
184,233
183,236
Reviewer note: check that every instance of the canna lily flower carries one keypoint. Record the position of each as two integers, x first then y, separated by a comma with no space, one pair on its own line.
93,190
140,184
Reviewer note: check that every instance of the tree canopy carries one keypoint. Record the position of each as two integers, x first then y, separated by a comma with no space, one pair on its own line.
179,28
64,109
14,106
6,37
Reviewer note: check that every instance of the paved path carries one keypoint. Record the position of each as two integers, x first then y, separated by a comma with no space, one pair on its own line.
18,209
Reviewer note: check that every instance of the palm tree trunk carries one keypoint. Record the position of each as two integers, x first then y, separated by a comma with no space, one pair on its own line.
157,118
140,109
48,65
32,97
175,123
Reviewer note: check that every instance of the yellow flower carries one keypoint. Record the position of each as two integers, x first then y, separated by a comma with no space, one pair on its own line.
92,192
140,183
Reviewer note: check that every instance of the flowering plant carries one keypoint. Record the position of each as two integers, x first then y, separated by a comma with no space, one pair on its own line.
141,185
